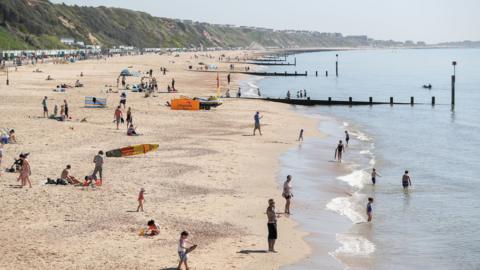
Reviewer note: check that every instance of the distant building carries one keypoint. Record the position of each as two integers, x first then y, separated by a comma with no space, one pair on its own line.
67,40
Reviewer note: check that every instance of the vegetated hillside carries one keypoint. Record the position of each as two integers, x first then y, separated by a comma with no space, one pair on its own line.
40,24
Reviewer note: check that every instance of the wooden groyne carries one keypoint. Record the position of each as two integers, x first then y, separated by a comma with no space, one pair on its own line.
263,63
349,102
254,73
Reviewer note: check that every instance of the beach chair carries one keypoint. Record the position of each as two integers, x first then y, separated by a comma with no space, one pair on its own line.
94,102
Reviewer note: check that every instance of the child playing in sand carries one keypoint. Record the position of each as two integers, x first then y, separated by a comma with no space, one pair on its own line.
153,229
369,209
141,199
183,250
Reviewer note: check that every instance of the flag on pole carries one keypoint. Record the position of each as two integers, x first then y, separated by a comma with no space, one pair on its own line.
218,86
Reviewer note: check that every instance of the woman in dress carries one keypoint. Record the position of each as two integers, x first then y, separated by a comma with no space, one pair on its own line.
25,172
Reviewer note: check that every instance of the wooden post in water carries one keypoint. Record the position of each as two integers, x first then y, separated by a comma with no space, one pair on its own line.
306,73
329,100
336,66
454,63
350,100
412,101
391,100
370,100
295,61
326,73
433,101
295,72
316,73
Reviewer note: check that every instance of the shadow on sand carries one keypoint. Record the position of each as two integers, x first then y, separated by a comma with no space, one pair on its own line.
250,251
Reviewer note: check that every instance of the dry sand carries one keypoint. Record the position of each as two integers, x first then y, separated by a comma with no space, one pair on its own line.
209,176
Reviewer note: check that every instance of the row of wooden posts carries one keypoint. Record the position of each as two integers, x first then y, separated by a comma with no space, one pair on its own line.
370,100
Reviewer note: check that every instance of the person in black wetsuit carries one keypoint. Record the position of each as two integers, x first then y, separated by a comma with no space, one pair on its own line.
347,137
339,151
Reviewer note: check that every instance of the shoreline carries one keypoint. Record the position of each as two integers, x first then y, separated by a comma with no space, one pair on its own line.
223,207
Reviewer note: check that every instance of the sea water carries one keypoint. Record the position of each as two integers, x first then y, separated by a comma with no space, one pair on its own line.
436,224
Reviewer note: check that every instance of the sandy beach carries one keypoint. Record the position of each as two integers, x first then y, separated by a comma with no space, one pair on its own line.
209,175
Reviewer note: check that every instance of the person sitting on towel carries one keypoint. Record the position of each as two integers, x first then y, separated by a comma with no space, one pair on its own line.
67,177
131,131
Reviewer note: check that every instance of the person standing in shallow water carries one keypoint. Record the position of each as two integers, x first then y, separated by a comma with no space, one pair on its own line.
406,182
369,209
272,225
300,136
339,151
347,137
287,193
374,176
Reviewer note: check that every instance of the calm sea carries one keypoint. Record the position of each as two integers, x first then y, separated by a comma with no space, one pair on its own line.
436,225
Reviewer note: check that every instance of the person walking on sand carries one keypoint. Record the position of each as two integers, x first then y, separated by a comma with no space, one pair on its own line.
118,115
141,199
257,118
347,137
173,84
374,176
369,209
406,182
339,151
25,172
66,109
300,136
45,107
183,251
123,100
272,225
129,117
228,78
287,193
98,160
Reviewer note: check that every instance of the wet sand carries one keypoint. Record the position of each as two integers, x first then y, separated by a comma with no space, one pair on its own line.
209,176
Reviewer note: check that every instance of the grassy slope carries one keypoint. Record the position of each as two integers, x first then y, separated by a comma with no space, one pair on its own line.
37,24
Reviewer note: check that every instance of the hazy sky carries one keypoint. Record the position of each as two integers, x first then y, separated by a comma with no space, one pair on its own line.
427,20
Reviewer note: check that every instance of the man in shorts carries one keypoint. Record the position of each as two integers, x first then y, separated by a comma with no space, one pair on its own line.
45,108
98,160
272,225
257,118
